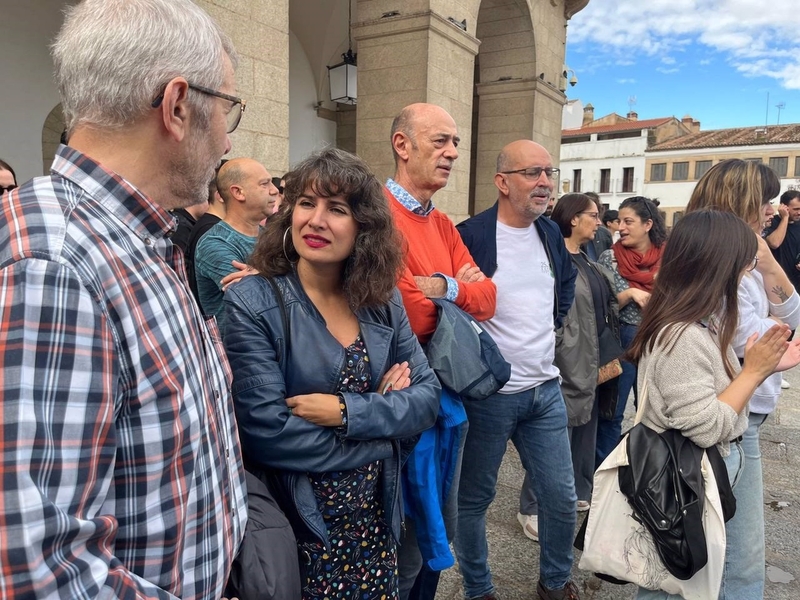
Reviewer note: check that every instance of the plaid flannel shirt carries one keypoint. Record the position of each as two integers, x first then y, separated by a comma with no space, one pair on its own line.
121,467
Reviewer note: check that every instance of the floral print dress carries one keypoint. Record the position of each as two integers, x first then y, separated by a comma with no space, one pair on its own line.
362,561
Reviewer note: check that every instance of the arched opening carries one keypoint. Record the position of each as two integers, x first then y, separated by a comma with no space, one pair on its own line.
318,35
503,101
51,136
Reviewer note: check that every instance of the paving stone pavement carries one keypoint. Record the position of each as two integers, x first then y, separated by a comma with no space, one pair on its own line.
514,559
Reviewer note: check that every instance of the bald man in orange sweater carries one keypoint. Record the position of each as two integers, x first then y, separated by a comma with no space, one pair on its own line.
438,265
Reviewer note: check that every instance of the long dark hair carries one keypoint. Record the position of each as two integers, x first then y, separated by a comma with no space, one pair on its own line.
698,279
373,267
646,210
567,207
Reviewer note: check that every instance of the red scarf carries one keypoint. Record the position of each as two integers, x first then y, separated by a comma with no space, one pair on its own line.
638,269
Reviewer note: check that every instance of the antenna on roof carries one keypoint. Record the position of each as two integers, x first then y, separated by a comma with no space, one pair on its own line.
631,102
766,119
780,106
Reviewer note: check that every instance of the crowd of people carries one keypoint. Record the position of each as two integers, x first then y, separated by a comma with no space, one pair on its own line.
187,342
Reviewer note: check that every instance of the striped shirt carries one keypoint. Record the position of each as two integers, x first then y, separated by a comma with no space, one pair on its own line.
121,470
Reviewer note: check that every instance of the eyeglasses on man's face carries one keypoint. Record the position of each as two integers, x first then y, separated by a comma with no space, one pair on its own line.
7,188
234,114
533,173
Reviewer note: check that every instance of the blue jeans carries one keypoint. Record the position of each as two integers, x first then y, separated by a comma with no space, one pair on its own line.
743,574
609,432
582,441
536,421
743,577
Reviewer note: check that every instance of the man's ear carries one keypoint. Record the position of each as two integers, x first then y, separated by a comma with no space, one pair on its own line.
401,144
500,183
175,109
237,193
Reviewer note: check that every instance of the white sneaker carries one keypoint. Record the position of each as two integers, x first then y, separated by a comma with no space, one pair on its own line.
530,526
583,506
785,385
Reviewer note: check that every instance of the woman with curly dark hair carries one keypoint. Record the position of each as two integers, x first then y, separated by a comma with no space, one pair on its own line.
634,259
330,384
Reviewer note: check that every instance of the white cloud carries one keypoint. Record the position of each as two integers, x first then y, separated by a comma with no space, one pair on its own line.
624,81
667,71
755,39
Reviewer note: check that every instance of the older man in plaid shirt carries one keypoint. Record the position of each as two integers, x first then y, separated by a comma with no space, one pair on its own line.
121,468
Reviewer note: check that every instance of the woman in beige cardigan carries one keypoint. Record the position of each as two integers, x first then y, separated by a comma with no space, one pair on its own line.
683,347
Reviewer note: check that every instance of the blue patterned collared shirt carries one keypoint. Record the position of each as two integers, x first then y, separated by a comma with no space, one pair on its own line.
122,472
415,206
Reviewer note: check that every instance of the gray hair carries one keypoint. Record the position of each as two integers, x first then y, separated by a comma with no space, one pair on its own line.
113,57
503,162
404,123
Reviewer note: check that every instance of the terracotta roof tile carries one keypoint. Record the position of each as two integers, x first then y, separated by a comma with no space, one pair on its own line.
616,127
739,136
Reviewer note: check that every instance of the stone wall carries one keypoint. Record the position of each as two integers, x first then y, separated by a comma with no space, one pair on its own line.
260,31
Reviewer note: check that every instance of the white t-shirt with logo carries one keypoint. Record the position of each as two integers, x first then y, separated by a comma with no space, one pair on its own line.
522,324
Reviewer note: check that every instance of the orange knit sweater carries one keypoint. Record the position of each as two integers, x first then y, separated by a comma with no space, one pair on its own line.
432,245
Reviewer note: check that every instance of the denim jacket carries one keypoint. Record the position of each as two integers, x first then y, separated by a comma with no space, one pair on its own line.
379,427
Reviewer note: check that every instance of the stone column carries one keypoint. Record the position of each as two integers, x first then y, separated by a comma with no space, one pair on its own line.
416,57
513,110
260,32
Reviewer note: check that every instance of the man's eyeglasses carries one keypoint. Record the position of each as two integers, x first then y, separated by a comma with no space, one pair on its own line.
234,115
7,188
533,173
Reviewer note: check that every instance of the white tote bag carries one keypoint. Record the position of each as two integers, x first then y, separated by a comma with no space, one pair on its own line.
618,545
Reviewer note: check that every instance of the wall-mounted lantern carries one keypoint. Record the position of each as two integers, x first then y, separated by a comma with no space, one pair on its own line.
344,79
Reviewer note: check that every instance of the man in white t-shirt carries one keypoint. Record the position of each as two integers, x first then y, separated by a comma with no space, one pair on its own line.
524,254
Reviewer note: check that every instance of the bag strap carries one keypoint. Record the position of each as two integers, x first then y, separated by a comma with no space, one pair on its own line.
643,397
284,317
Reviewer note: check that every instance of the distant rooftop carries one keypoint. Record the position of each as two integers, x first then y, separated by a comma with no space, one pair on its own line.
738,136
625,125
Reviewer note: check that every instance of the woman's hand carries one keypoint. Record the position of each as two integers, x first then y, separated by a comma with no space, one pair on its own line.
398,377
320,409
633,294
790,358
766,260
640,297
242,270
762,357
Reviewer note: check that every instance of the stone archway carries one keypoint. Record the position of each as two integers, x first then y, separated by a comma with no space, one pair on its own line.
505,78
51,136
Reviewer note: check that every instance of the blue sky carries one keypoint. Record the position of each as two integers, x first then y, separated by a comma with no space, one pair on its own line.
715,60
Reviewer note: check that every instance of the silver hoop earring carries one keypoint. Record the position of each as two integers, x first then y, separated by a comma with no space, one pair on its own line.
285,253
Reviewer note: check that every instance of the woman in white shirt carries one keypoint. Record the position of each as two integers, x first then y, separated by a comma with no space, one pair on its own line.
765,297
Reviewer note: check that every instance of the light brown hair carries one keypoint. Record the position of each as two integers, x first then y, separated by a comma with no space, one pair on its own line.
738,186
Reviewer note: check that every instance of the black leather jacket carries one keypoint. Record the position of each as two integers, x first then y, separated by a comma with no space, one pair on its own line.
377,424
